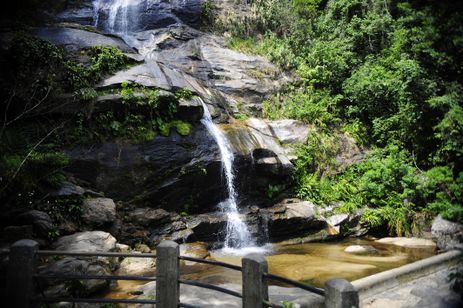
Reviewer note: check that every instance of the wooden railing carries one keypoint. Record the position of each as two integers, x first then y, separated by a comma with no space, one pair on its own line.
23,281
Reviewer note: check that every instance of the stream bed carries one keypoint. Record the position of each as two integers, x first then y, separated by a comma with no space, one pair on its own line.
312,263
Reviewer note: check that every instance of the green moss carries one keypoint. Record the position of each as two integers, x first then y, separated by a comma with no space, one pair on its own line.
182,128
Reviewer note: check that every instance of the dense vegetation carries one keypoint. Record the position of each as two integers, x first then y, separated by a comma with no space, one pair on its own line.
387,73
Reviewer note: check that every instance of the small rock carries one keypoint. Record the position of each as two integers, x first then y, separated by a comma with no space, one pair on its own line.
98,211
137,266
122,248
89,241
194,250
409,242
143,248
360,249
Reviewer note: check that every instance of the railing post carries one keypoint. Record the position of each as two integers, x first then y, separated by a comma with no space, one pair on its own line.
255,288
340,293
21,271
167,275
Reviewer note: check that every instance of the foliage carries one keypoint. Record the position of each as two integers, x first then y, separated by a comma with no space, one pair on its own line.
103,61
387,73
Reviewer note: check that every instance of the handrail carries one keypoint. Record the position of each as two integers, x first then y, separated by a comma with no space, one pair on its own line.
212,262
94,300
210,287
266,276
94,254
90,277
298,284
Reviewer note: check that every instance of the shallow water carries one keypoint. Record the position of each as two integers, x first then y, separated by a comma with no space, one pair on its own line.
312,263
315,263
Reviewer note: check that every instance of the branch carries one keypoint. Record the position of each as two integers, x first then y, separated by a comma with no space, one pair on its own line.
28,155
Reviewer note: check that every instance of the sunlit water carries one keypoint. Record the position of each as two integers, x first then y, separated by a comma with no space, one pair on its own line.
237,234
312,263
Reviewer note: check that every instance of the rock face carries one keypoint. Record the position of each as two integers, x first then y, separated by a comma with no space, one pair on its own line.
169,172
98,211
90,241
447,234
75,39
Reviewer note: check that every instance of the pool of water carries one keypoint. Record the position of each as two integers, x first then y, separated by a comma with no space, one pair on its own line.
312,263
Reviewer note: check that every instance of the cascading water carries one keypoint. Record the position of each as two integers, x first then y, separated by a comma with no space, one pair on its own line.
119,15
237,233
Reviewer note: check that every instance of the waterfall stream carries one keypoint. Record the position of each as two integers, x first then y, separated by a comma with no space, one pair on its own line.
119,17
237,232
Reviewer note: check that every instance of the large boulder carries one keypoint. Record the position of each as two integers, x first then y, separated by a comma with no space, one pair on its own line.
447,234
72,266
41,221
208,227
149,217
90,241
293,217
98,211
408,242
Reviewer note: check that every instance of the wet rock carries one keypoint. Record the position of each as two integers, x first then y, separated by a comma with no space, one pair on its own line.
137,266
190,110
447,234
98,211
360,249
149,217
41,221
74,40
411,242
89,241
194,250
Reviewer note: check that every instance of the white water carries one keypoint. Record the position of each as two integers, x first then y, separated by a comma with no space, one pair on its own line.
237,232
120,13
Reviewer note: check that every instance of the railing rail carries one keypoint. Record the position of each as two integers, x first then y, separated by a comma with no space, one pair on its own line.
22,278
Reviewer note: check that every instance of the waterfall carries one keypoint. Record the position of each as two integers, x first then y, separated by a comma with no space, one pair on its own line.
96,12
119,15
237,232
